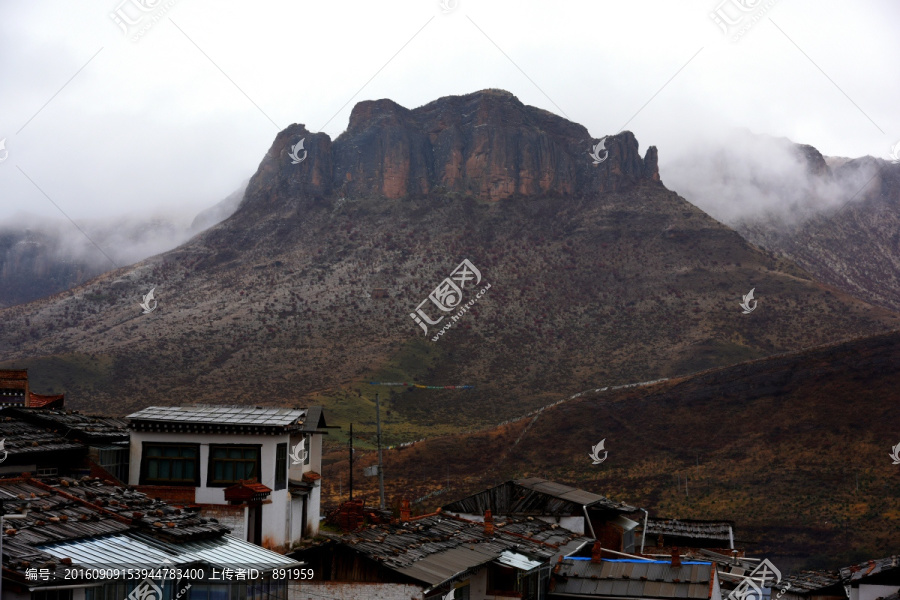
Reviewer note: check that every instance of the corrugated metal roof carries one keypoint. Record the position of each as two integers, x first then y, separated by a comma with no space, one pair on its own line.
632,579
518,561
440,567
567,492
134,550
221,415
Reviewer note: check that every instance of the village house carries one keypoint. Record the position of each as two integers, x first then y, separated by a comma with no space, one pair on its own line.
15,391
76,539
441,556
256,469
577,510
611,578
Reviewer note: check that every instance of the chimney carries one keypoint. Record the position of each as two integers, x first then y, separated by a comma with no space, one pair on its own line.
488,523
676,558
404,510
597,552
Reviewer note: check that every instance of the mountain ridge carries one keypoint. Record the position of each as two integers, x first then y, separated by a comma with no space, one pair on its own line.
277,304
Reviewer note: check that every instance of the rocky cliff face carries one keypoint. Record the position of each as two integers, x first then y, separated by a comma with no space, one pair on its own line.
487,145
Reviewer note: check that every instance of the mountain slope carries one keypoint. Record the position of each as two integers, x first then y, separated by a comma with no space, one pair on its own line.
794,448
597,273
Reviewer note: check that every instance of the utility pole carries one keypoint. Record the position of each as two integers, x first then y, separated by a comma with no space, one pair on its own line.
351,462
380,469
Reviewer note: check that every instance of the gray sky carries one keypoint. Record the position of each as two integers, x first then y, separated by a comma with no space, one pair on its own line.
175,121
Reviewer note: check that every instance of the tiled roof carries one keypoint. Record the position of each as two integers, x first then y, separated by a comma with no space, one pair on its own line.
439,548
632,579
222,415
21,438
74,425
719,530
64,510
808,581
42,400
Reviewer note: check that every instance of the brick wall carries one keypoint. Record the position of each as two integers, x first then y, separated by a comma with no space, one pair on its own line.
172,494
228,515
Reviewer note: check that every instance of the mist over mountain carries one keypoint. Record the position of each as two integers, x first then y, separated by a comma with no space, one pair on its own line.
40,257
838,218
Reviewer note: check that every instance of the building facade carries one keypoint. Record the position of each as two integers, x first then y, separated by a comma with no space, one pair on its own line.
255,469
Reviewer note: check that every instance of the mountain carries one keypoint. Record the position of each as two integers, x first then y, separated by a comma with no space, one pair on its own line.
219,211
793,448
597,274
837,218
39,258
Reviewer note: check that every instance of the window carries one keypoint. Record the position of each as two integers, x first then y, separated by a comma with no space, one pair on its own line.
230,464
112,458
308,445
281,466
170,464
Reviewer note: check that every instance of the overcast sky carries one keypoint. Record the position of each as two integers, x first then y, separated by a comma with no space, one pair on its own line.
170,118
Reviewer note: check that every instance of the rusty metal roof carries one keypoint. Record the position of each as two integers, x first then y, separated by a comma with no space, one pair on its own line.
534,496
632,579
439,548
692,528
871,567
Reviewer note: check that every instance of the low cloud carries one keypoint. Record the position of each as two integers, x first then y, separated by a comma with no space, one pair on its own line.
742,176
